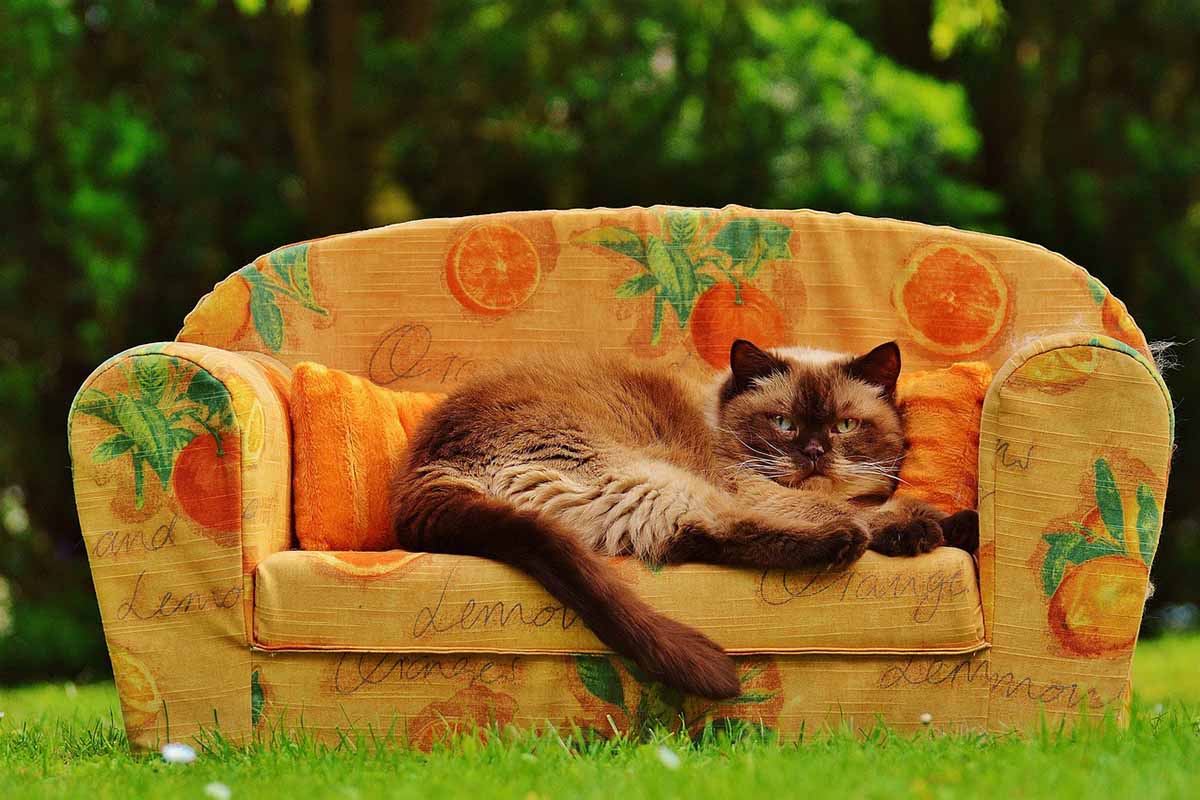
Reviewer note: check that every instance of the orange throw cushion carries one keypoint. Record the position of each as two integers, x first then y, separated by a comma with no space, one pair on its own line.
348,436
942,410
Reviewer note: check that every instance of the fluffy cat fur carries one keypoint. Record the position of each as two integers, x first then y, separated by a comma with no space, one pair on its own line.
551,464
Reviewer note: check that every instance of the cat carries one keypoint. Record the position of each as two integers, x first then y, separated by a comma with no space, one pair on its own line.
788,460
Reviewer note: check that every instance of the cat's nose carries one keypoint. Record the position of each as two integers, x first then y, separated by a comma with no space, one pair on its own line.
814,449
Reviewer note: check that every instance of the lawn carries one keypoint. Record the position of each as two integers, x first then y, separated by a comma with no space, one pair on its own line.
61,741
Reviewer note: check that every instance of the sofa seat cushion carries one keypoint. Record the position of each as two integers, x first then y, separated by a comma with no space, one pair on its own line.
397,601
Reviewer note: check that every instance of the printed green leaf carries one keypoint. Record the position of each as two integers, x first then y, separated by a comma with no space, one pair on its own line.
656,328
257,699
1097,290
601,679
96,403
682,225
147,426
182,437
1067,548
116,445
619,240
281,261
139,497
291,264
268,319
751,698
1108,498
209,392
152,374
705,281
636,286
751,242
658,261
688,290
1147,522
658,705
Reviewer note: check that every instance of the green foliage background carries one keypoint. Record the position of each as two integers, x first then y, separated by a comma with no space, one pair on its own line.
148,149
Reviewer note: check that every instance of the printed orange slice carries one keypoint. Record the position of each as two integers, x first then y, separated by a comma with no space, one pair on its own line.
492,269
367,564
952,298
222,317
1098,606
721,316
140,699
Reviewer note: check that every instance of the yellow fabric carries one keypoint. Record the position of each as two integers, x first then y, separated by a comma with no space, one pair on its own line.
420,602
1076,436
941,422
348,438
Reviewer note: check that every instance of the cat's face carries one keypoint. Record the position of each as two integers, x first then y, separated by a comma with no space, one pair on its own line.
813,420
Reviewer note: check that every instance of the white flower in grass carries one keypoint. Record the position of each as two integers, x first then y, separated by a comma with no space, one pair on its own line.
668,757
217,791
176,753
71,689
926,718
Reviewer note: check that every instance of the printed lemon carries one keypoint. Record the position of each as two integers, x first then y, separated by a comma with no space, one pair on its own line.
492,269
1059,370
141,702
1097,608
953,300
722,316
222,317
251,418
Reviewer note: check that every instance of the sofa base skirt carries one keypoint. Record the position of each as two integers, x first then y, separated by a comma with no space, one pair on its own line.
418,698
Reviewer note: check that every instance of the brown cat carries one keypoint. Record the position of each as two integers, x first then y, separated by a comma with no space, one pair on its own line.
551,464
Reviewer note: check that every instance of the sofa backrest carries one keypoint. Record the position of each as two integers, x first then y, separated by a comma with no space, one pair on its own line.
420,305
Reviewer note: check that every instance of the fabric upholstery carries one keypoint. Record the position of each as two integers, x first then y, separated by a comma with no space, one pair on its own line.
1075,445
420,602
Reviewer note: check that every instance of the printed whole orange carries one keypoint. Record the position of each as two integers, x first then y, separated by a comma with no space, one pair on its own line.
726,313
207,482
470,710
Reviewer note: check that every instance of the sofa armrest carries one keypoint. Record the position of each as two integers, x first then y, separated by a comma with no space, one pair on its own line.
181,463
1075,451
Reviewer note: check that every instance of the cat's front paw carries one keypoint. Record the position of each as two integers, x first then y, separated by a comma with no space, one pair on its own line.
906,536
843,542
961,530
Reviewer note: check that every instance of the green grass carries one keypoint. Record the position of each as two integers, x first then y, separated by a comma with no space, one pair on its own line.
56,741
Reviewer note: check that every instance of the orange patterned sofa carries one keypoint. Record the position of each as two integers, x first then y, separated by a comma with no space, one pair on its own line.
182,479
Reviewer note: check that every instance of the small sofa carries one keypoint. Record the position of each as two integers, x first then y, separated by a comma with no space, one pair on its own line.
215,620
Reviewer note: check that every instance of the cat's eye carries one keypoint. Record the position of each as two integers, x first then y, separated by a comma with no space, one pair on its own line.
847,425
783,423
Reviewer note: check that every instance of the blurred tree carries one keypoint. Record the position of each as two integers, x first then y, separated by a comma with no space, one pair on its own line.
148,149
1090,115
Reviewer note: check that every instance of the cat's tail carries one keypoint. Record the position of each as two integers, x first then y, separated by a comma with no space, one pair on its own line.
463,521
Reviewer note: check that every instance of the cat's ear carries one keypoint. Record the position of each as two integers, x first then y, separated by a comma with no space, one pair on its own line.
880,367
748,363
